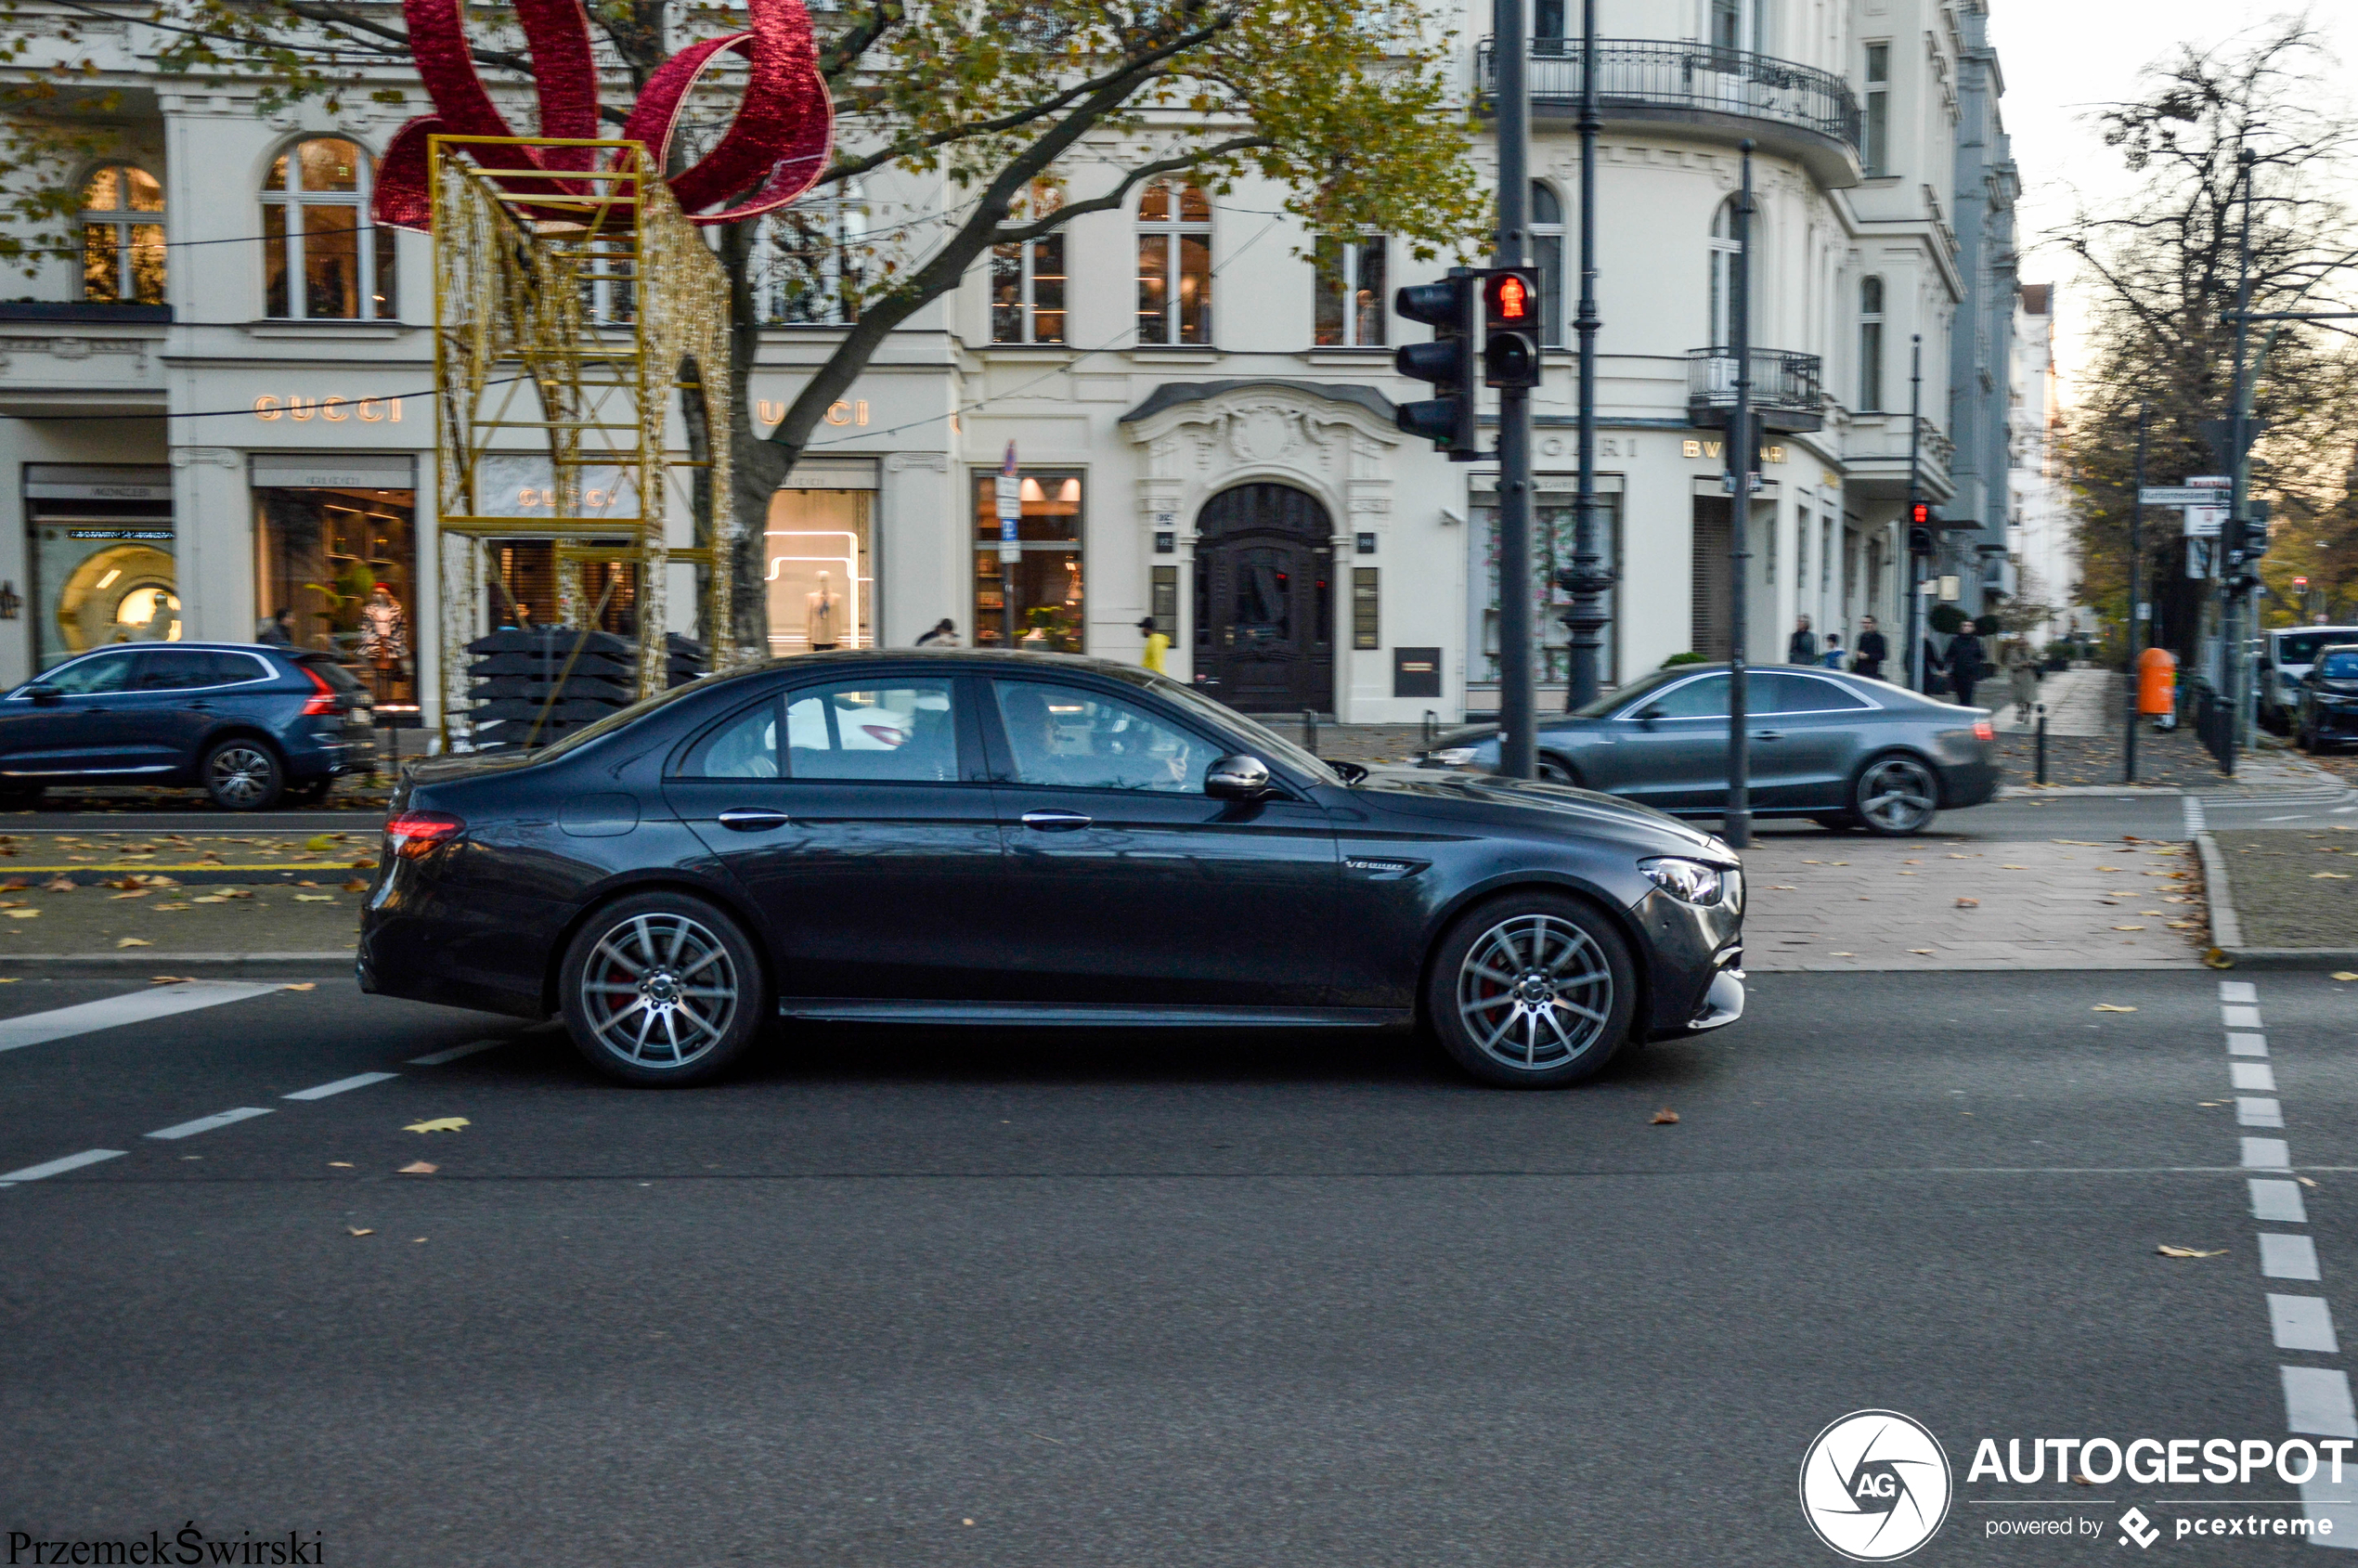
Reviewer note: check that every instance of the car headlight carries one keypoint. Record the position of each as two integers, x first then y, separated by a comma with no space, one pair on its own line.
1453,755
1691,881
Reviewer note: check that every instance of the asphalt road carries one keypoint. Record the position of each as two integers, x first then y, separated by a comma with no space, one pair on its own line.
1021,1299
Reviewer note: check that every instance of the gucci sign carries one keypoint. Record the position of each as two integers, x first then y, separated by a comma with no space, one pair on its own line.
334,409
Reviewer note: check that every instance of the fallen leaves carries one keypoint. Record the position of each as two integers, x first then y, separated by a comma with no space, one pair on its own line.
2078,842
133,941
2344,975
60,885
358,884
2329,877
2306,1181
358,1232
1664,1117
2128,928
135,893
1968,903
340,1164
1921,952
2110,1008
418,1168
314,898
319,845
22,913
2014,868
301,985
2169,1251
439,1124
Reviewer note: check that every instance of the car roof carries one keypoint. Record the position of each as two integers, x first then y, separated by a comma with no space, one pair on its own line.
207,647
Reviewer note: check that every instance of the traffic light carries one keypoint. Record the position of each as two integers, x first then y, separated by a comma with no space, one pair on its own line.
2246,538
1511,327
1920,540
1452,307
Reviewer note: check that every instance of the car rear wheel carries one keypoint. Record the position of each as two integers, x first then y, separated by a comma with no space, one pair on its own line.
1532,991
661,990
1554,769
243,775
1896,795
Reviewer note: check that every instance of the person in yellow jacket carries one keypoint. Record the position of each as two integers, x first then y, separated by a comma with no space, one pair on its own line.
1157,646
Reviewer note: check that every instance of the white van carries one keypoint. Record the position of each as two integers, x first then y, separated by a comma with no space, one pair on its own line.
2288,654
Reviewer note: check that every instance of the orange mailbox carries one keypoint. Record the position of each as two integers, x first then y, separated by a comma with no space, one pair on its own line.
2156,681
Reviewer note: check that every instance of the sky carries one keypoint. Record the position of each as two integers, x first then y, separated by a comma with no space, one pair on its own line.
2062,58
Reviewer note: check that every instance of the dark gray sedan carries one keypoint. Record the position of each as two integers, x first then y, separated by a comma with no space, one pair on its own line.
1843,749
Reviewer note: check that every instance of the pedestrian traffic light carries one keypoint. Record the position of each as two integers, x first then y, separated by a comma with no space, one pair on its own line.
2246,538
1452,308
1511,327
1920,540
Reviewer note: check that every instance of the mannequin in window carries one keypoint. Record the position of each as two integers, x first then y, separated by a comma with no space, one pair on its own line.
384,638
819,617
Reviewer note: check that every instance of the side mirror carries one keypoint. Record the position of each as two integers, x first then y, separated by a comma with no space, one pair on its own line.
1648,714
1236,777
44,694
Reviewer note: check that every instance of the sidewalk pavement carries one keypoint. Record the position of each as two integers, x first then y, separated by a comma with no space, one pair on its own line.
2284,896
2080,702
1847,901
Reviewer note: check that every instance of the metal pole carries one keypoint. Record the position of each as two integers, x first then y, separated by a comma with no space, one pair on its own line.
2136,590
1736,822
2042,745
1517,704
1915,587
1590,577
2238,444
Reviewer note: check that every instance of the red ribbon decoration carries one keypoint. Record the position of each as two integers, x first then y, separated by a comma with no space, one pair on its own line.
776,147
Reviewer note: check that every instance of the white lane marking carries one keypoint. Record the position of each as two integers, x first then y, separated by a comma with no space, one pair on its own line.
357,1080
59,1167
2247,1045
138,1006
2294,817
2254,1110
2317,1401
438,1057
2302,1323
2194,815
2241,1018
2253,1075
2289,1257
2339,810
2278,1202
2267,1154
2239,991
207,1124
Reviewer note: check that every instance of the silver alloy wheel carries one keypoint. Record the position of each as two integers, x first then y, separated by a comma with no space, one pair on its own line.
241,775
1535,992
659,991
1896,795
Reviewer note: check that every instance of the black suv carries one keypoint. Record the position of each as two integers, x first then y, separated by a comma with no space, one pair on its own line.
247,723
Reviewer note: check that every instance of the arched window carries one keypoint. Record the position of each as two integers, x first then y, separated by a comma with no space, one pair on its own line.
809,260
1724,258
1548,252
315,220
1175,265
123,236
1870,344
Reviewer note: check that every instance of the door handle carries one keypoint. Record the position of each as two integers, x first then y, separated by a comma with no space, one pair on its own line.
1768,734
752,819
1054,822
200,708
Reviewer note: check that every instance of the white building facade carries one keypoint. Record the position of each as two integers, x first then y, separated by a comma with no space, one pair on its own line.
2039,538
219,406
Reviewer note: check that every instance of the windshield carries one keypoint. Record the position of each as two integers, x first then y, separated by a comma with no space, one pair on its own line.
2340,665
1278,748
2301,647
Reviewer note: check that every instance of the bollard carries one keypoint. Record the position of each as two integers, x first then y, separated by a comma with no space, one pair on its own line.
2042,744
1310,731
1431,730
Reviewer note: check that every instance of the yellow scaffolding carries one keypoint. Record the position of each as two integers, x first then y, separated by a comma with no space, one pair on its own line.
589,291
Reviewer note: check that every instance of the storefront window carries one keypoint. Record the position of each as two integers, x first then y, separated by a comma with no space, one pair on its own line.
102,557
1038,594
340,561
822,585
1553,536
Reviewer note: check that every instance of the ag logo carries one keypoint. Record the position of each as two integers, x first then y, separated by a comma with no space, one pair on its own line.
1874,1486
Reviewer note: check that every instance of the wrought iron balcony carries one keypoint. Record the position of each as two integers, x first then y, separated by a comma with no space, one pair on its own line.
1787,390
1796,109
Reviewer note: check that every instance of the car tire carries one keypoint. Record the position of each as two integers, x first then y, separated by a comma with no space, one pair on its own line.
243,775
1896,794
21,797
644,969
1563,1010
1845,823
1555,770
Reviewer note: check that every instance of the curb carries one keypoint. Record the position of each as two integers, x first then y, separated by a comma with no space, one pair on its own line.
2227,931
2136,791
114,965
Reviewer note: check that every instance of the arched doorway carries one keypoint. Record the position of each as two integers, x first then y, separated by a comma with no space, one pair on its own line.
1264,599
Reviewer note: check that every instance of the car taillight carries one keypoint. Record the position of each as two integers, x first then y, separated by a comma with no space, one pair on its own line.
884,734
413,834
1983,731
324,700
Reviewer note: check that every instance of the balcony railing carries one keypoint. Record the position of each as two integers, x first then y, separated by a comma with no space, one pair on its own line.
1787,389
1648,76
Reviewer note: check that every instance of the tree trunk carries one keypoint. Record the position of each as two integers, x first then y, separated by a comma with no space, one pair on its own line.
757,467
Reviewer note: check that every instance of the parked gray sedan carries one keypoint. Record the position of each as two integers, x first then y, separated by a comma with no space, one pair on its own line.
1842,749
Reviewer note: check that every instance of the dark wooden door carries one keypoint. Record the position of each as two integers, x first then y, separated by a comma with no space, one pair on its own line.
1265,601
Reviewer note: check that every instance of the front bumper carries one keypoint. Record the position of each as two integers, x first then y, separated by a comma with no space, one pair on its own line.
1693,956
1723,1003
1969,784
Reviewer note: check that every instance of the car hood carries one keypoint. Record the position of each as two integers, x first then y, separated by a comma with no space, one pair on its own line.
1522,803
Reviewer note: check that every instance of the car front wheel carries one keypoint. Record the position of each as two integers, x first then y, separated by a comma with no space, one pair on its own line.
243,775
1896,795
661,990
1532,991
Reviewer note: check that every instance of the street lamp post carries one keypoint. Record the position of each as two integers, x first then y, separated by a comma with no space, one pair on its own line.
2230,652
1590,577
1915,561
2136,587
1517,703
1736,822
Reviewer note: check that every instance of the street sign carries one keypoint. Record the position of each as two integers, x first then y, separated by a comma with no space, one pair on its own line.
2204,522
1010,498
2178,494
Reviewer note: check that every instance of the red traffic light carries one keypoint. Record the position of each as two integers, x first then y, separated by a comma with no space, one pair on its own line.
1920,514
2300,582
1514,299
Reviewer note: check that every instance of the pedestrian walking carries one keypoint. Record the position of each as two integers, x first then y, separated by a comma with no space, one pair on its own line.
1832,657
1872,650
1966,665
1802,646
2022,671
278,631
1935,671
1157,646
944,635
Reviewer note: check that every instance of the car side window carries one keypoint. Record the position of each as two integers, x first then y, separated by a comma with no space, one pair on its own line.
104,673
1796,693
174,669
1075,738
905,733
744,747
1703,697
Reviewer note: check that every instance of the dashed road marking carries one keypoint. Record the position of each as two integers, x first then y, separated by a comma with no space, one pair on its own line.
2239,991
357,1080
2288,1257
2255,1110
2267,1154
2278,1202
2317,1401
113,1012
2241,1018
2248,1045
60,1167
2253,1075
2195,822
2302,1323
436,1058
207,1124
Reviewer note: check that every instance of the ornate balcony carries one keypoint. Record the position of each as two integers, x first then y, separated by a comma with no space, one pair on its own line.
1787,393
1794,109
